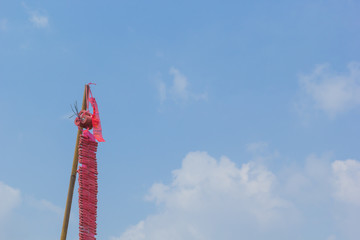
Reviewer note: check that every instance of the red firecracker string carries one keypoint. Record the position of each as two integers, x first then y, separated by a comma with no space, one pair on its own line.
88,187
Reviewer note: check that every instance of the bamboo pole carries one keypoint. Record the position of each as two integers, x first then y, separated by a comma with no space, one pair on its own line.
73,174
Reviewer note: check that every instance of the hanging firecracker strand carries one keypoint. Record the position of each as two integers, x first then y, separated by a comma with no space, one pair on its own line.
85,153
88,187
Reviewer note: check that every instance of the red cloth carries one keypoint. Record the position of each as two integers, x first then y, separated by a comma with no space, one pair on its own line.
96,120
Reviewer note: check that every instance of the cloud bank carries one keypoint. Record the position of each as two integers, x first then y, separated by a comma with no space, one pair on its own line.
347,181
215,199
9,199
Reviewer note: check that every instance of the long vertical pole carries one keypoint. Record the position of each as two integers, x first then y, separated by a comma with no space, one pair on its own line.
73,174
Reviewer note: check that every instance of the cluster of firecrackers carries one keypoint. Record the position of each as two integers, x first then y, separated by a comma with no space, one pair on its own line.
88,187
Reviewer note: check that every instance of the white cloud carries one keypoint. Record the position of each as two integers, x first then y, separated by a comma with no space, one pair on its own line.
133,233
347,181
211,199
332,92
44,205
179,89
215,199
180,84
38,20
346,185
3,24
51,207
31,217
9,199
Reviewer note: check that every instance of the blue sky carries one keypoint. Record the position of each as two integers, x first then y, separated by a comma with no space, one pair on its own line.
222,119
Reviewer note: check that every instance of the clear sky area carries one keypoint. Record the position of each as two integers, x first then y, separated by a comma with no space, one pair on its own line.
223,120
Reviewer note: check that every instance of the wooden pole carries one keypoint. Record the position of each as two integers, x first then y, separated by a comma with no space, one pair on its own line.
73,174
